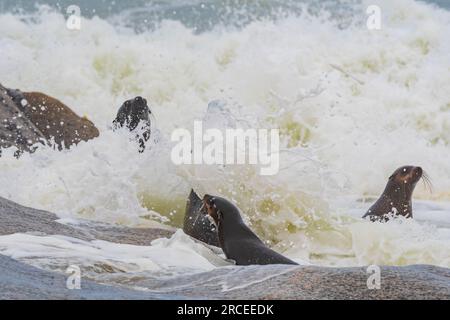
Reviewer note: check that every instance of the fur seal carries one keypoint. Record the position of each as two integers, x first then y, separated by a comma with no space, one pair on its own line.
237,241
134,114
396,197
196,224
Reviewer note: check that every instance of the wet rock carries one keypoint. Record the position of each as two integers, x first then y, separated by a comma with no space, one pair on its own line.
20,281
126,235
312,282
57,122
16,129
15,218
30,117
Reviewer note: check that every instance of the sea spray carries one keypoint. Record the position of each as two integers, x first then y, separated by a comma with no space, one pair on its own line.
352,104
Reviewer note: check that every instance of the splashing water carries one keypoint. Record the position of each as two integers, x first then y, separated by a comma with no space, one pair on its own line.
352,105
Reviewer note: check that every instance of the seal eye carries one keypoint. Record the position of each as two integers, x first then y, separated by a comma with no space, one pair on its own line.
405,171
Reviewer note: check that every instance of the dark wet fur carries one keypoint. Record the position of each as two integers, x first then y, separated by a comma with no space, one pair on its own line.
237,240
132,114
398,194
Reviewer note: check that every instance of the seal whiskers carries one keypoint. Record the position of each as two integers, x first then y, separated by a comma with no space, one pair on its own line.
427,182
396,197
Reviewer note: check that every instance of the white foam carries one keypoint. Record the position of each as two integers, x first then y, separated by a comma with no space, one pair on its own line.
340,137
179,254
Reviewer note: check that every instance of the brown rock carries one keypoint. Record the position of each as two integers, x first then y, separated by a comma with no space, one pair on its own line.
15,129
56,121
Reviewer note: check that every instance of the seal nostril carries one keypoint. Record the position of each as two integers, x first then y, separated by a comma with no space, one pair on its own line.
138,99
418,171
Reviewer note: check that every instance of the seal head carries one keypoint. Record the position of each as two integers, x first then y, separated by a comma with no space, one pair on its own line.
134,114
396,197
238,242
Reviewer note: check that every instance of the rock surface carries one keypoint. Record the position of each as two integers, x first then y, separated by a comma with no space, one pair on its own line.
21,281
15,218
24,282
30,117
310,282
15,129
57,122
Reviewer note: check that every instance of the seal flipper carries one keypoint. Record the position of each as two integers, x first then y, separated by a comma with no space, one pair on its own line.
196,224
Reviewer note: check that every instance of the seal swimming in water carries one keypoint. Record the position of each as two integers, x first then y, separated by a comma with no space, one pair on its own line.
396,197
134,114
237,241
196,224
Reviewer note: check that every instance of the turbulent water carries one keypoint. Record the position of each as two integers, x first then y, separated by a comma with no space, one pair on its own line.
352,105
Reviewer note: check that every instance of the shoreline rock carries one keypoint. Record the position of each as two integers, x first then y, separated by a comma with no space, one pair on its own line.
15,218
21,281
15,129
27,118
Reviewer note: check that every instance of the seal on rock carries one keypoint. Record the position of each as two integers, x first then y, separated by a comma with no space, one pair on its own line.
196,224
237,241
396,197
134,114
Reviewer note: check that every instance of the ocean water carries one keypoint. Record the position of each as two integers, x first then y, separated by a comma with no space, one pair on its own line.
352,105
